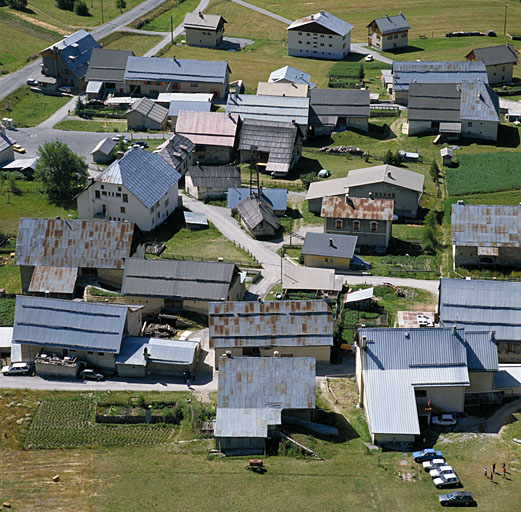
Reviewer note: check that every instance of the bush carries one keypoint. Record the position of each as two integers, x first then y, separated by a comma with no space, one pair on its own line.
308,178
20,5
81,9
66,5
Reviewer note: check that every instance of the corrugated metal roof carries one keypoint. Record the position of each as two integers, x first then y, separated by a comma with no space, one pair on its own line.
107,65
20,164
5,141
389,24
326,20
203,21
146,175
325,244
277,198
357,208
253,392
485,225
176,150
290,74
197,280
310,278
68,324
254,210
494,55
6,336
210,128
323,188
406,73
221,177
327,105
273,108
195,218
508,376
385,174
479,102
93,87
282,89
74,243
189,106
53,279
176,70
359,295
434,102
149,109
482,305
164,351
105,146
168,97
272,323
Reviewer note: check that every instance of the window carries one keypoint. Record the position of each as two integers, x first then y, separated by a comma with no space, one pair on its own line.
356,225
102,187
193,84
326,259
167,201
503,68
321,35
420,393
125,198
300,42
104,193
469,124
396,36
101,354
97,194
158,215
122,209
300,33
511,347
330,46
119,189
90,353
404,34
118,195
374,226
338,224
321,44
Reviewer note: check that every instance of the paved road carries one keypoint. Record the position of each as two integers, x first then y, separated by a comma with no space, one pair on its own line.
362,48
263,11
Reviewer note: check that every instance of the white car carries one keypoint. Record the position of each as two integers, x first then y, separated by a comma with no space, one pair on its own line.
442,470
369,58
434,463
445,420
65,89
16,369
450,480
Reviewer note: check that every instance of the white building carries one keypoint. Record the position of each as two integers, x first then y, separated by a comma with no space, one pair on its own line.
321,36
140,187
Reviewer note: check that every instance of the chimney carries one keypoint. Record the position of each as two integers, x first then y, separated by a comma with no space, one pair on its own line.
389,175
454,330
323,13
201,15
370,195
119,154
276,353
462,203
331,242
491,334
293,120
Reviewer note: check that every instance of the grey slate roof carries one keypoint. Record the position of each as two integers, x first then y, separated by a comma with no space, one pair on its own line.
197,280
291,74
324,19
75,50
287,323
479,102
203,21
406,73
6,142
389,24
310,278
146,175
105,146
395,361
176,70
485,226
192,218
208,128
327,105
107,65
277,198
389,174
150,109
175,150
164,351
68,324
190,106
325,244
221,177
479,305
254,210
274,108
253,391
330,187
494,55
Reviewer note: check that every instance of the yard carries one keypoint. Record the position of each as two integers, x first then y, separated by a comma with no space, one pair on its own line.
161,23
138,43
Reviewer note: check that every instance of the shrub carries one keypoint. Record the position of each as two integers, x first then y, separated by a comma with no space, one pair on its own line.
308,178
66,5
20,5
81,9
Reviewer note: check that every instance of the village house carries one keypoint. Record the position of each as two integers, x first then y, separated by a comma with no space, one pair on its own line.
213,133
103,153
290,75
139,187
275,146
424,371
479,305
68,59
55,255
338,109
145,114
282,89
325,250
389,32
6,146
180,285
468,109
256,395
323,282
205,182
277,198
485,235
499,62
106,72
388,182
177,151
319,36
257,216
406,73
150,76
177,106
206,30
320,189
369,219
292,328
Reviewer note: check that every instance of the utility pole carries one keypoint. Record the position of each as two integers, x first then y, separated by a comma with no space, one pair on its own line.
172,29
102,18
281,258
505,26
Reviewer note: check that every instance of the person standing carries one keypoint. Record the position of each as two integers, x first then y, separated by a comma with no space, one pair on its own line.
504,470
494,467
485,471
492,476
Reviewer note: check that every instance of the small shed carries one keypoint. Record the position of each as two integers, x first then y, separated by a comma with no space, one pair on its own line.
513,116
446,156
103,153
145,114
361,299
6,336
195,221
257,217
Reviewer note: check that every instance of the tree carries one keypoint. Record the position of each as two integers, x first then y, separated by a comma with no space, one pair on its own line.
79,106
66,5
20,5
62,172
308,178
388,157
361,73
81,9
13,186
434,171
121,4
430,232
398,158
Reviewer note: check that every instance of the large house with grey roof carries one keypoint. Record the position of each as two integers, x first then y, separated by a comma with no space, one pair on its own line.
499,61
325,250
319,36
106,72
389,32
177,151
406,375
68,59
139,187
206,30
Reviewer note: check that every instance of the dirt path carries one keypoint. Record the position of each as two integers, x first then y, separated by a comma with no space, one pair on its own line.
35,21
497,421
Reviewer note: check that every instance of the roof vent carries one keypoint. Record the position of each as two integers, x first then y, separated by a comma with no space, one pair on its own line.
323,13
407,335
363,341
454,329
228,354
491,334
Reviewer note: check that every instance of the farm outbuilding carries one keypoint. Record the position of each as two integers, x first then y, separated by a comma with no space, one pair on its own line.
446,156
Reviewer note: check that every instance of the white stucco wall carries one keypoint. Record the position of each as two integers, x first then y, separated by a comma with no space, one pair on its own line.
316,45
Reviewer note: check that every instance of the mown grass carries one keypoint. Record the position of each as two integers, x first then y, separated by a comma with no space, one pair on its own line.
7,311
162,22
30,108
10,278
82,125
138,43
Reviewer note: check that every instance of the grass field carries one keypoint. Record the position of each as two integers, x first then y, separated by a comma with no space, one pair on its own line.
162,22
30,108
138,43
83,125
10,278
7,312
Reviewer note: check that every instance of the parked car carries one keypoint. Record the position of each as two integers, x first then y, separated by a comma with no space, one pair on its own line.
450,480
426,454
65,89
324,173
369,58
457,499
95,102
441,470
434,463
18,148
32,82
88,374
16,369
445,420
140,143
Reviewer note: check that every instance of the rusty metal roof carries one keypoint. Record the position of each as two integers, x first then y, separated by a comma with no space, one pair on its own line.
53,279
414,319
485,226
289,323
345,207
211,128
253,391
73,243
